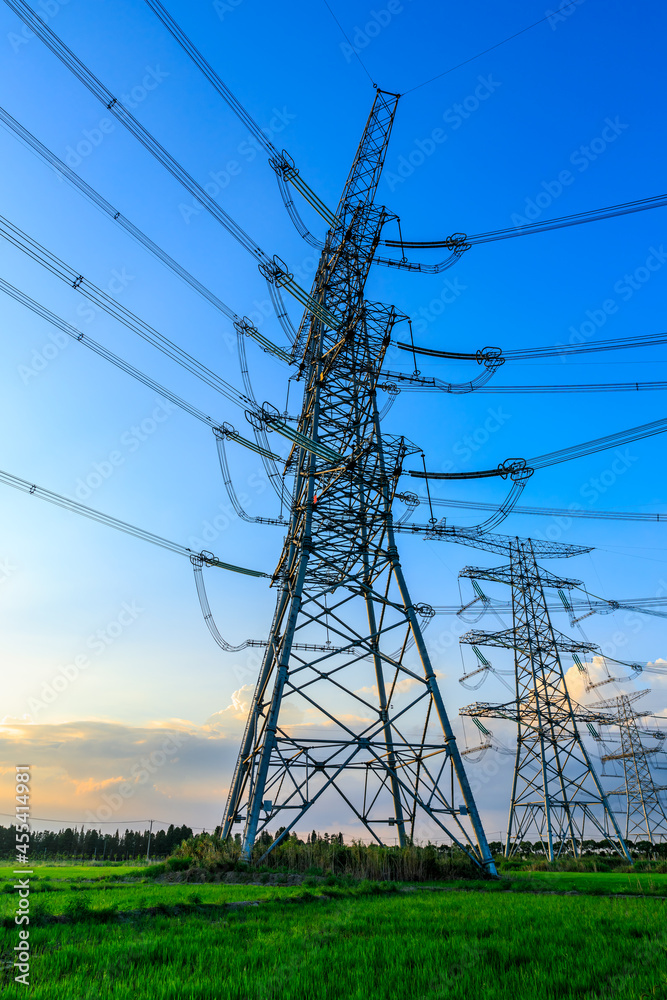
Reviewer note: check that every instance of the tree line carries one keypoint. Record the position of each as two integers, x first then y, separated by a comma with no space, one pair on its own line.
94,845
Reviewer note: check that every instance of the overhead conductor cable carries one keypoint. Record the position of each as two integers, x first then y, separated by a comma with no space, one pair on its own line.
81,284
114,107
113,522
125,366
511,466
93,196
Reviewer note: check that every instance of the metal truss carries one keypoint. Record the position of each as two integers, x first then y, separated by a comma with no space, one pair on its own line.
490,541
347,700
645,816
555,789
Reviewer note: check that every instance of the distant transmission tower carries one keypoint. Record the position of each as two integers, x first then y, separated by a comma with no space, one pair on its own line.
555,788
347,700
645,814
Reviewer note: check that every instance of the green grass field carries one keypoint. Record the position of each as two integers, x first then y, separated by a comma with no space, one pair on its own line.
497,940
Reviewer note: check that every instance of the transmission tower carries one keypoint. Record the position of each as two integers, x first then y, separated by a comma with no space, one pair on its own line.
645,815
555,788
347,700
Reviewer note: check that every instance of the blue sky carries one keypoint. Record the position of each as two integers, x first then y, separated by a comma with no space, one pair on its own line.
580,93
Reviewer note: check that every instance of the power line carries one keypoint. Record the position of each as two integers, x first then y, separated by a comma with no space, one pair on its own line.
74,279
611,212
125,366
57,267
556,457
461,241
112,104
205,67
552,351
605,515
642,604
103,822
108,209
589,387
77,281
53,161
113,522
347,39
600,444
282,163
422,384
557,350
490,49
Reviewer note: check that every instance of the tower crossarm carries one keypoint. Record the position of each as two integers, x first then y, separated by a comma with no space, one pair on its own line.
623,790
644,751
487,710
582,714
622,702
500,544
511,639
503,574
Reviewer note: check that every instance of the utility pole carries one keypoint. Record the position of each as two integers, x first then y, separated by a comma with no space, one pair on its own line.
148,848
555,788
347,701
644,814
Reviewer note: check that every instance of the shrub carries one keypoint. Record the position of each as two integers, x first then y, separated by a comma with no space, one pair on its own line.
153,871
179,864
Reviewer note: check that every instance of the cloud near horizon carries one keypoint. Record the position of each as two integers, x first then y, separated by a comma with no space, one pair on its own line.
103,771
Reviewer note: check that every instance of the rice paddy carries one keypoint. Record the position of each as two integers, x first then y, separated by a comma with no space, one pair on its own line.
114,933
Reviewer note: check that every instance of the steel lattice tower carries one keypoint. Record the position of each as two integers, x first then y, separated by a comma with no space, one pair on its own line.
346,642
555,788
645,815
